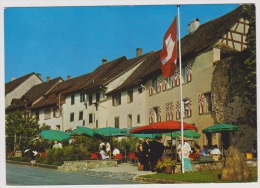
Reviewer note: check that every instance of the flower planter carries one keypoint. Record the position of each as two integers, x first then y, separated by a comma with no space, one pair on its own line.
169,170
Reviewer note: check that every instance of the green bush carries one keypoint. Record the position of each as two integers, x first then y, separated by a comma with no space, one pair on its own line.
83,153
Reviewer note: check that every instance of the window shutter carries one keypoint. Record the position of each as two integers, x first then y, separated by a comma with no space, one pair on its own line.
201,98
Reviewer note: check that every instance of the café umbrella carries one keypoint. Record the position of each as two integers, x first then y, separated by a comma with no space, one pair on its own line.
109,132
162,127
186,133
221,128
85,131
218,128
54,135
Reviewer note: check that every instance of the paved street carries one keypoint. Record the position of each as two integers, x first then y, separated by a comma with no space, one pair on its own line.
26,175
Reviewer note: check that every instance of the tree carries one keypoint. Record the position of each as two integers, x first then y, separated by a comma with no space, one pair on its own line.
22,127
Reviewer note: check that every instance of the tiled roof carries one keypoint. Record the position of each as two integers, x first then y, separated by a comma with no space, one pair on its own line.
204,38
10,86
72,84
150,64
33,94
209,33
100,75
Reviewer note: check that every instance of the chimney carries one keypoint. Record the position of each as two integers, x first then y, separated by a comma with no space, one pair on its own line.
13,78
40,76
139,52
48,79
104,61
194,25
68,77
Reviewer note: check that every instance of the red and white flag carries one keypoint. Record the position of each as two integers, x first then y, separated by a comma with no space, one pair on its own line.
168,55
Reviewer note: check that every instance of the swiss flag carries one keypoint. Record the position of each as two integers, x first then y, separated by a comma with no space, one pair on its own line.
168,55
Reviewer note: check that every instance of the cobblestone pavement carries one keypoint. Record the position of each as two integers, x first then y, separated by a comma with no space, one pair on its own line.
124,172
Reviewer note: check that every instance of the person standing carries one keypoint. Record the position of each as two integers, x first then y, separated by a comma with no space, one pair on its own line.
186,152
157,149
146,153
140,154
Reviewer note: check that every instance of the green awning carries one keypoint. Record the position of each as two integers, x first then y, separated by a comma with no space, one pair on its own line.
54,135
84,131
218,128
187,134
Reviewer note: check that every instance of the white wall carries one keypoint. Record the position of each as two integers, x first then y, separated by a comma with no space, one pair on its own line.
22,89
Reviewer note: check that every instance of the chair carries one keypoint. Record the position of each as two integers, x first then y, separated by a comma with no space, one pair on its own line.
43,154
99,156
132,157
119,157
94,156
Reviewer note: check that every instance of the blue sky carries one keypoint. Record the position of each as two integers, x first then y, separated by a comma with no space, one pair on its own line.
73,40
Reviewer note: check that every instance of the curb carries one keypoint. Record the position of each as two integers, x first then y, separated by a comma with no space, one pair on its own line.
156,181
33,164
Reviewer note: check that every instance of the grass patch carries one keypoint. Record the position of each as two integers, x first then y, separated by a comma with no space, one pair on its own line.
198,177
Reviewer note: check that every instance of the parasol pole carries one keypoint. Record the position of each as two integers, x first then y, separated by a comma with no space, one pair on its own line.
180,68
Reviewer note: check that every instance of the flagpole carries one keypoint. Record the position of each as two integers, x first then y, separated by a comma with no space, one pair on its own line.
180,68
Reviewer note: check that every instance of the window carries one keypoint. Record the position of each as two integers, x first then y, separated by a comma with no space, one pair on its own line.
81,115
56,113
71,117
154,85
130,96
116,122
129,120
82,97
156,114
187,108
208,102
57,127
184,74
37,115
116,99
138,118
96,124
169,82
47,114
90,101
97,97
90,118
72,99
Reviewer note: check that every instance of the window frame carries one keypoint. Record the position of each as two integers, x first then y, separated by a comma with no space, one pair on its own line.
90,118
130,96
116,99
72,99
117,121
47,113
90,100
72,117
80,115
82,97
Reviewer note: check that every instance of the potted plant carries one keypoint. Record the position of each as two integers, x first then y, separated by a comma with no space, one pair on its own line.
167,165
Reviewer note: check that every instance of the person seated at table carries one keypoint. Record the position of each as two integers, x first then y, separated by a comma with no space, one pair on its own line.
116,151
203,152
103,152
215,150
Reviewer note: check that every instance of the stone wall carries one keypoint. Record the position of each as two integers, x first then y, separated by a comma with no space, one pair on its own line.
77,166
216,165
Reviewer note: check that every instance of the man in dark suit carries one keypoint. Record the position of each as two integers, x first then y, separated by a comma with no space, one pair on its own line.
146,153
157,149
